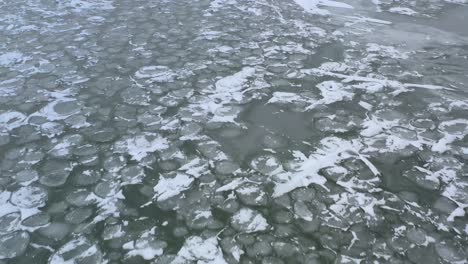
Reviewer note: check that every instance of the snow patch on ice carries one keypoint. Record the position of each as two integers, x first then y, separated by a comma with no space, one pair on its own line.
199,250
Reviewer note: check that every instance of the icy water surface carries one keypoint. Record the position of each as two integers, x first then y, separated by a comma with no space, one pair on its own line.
233,131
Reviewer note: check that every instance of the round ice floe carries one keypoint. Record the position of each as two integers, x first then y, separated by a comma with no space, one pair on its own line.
416,235
86,177
60,109
140,146
106,134
422,254
26,176
404,133
79,198
190,130
230,131
52,129
260,248
4,138
172,186
266,164
9,222
11,120
450,252
78,215
445,205
274,141
132,174
156,73
199,250
114,163
106,188
13,245
55,231
76,121
283,249
64,146
54,173
326,124
29,197
40,219
146,247
226,167
226,114
249,221
135,96
423,123
455,127
79,250
302,210
252,194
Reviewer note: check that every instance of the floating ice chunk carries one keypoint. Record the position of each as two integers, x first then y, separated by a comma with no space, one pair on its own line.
301,210
236,82
79,250
387,51
423,178
375,81
333,125
9,222
251,194
56,231
11,120
199,250
231,186
402,11
55,173
13,57
170,187
453,130
267,164
417,236
146,247
132,175
283,249
249,221
226,167
140,145
37,220
26,177
312,6
135,96
78,215
59,109
449,251
285,98
51,129
332,92
156,74
13,245
196,167
84,5
29,197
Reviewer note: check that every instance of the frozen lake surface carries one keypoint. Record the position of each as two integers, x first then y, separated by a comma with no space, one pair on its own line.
233,131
